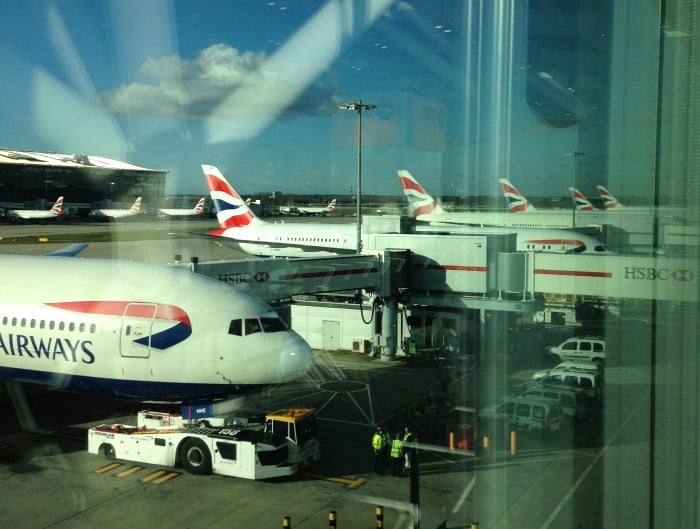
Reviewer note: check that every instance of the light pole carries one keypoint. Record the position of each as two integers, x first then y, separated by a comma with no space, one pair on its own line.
574,155
358,107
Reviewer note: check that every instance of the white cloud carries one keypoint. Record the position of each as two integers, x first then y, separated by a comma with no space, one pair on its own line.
191,89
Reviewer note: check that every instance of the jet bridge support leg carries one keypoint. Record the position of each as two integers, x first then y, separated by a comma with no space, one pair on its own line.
389,330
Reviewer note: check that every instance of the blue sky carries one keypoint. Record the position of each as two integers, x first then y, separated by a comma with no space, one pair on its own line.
252,86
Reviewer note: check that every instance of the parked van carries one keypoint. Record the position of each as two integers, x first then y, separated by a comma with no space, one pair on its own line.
589,348
526,413
573,403
589,382
594,367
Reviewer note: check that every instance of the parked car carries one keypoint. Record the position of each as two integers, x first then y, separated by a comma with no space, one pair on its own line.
595,367
588,382
589,348
574,405
526,413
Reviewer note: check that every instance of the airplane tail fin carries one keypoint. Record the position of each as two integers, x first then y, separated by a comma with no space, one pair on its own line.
136,207
231,209
331,205
199,208
517,203
609,201
419,201
582,203
57,208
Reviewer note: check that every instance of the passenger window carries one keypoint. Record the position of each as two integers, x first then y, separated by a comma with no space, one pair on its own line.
252,326
235,328
586,383
598,347
538,412
585,346
571,346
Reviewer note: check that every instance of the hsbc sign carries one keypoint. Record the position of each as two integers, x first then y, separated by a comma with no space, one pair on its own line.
658,274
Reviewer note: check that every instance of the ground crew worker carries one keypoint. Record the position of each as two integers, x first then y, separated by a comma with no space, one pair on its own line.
396,455
380,445
411,352
407,439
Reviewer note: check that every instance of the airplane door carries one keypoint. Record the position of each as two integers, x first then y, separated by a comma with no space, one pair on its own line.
137,327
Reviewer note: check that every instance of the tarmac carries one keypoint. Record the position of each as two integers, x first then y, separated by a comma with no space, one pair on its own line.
49,479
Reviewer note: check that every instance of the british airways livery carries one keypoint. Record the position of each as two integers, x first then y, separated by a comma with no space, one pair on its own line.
140,331
425,208
240,228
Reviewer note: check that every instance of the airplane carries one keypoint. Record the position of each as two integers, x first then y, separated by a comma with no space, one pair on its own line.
555,240
610,202
184,212
310,210
36,214
582,203
516,201
241,229
556,218
135,209
118,328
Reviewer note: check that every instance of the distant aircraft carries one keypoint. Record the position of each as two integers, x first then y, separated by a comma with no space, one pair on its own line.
609,201
240,228
582,203
36,214
140,331
135,209
516,201
556,240
310,210
184,212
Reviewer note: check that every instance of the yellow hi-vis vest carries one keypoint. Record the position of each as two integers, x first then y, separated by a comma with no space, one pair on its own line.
378,441
396,447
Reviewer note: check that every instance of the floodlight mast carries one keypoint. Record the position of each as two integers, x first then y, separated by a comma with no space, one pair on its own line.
358,107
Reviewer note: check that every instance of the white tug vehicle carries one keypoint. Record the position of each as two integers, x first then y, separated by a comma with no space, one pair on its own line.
278,444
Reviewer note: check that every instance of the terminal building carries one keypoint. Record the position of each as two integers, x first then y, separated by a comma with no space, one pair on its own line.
31,179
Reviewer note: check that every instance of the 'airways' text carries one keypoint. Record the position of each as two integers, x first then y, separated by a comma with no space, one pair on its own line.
51,349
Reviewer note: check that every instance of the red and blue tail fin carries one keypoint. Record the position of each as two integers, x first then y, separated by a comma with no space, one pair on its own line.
582,203
199,207
609,201
331,205
231,209
517,203
419,201
57,208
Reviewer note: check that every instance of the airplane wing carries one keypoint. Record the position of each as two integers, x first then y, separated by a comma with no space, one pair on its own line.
69,251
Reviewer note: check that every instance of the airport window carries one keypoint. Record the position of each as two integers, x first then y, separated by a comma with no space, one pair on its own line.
570,101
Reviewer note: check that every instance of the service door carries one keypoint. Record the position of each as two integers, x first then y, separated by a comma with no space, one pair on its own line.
137,327
331,335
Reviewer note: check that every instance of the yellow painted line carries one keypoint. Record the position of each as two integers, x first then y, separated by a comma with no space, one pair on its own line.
129,471
107,468
167,477
349,483
151,477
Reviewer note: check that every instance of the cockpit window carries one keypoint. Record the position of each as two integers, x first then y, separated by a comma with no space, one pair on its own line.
252,325
273,324
236,328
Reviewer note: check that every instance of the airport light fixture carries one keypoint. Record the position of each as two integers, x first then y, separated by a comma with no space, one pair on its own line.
574,155
358,107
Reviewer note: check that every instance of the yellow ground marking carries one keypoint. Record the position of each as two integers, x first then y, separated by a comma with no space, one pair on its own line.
107,468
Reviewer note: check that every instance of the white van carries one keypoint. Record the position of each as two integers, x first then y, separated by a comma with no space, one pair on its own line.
573,404
595,367
526,413
589,348
589,382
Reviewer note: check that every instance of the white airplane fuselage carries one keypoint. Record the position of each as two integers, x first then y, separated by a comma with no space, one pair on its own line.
293,239
137,330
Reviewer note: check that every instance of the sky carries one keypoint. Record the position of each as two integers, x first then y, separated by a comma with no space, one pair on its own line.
253,87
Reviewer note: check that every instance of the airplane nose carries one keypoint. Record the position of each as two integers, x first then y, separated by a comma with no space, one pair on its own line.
296,358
